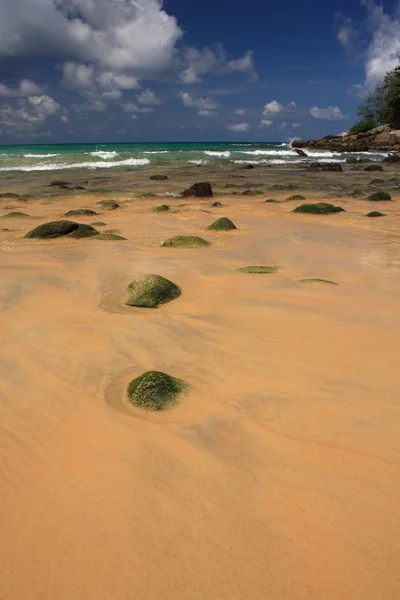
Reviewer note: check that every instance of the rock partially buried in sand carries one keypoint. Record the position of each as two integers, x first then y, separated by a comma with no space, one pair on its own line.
53,230
272,201
108,204
155,391
83,231
259,270
295,197
375,213
326,281
379,197
98,224
186,241
222,224
159,177
335,167
80,212
109,236
373,168
149,291
15,215
321,208
216,204
162,208
198,190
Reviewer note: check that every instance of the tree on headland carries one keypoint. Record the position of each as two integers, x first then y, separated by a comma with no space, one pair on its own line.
382,106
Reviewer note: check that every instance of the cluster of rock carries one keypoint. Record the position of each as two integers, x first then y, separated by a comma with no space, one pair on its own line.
381,138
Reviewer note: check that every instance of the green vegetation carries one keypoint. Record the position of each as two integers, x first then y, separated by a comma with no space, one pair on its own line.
379,197
315,280
321,208
222,224
186,241
363,126
155,391
259,270
80,212
149,291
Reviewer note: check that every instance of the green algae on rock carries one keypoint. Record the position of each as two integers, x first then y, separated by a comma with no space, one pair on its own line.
98,224
272,201
222,224
108,204
216,204
83,231
109,236
80,212
379,197
186,241
162,208
15,215
295,197
316,280
321,208
155,391
258,269
53,229
149,291
375,213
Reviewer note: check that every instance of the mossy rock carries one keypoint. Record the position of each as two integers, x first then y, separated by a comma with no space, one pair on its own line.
375,213
252,193
357,193
222,224
159,177
54,229
216,204
108,204
379,197
259,270
155,391
316,280
4,229
272,201
15,215
98,224
109,236
149,291
377,182
80,212
186,241
83,231
162,208
295,197
321,208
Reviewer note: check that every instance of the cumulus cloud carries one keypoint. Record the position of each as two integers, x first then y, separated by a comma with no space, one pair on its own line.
239,127
131,107
214,60
205,106
380,34
266,123
330,113
25,88
28,112
272,108
149,98
240,111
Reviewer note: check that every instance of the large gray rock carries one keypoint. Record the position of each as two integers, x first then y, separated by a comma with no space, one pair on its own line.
198,190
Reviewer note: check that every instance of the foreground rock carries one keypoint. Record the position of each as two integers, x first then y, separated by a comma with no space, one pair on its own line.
381,139
57,229
222,224
186,241
379,197
321,208
149,291
198,190
373,168
155,391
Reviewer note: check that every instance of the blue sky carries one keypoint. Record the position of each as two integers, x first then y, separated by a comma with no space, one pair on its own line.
143,70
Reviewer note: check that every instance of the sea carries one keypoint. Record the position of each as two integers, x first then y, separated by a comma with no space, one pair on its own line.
54,157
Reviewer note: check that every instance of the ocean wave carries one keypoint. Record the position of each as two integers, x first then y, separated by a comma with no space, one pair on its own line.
199,162
130,162
104,154
225,154
40,155
168,194
156,152
268,152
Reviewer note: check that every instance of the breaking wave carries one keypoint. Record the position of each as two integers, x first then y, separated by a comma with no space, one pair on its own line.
130,162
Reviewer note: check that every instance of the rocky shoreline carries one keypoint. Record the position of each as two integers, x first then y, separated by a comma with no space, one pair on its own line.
380,139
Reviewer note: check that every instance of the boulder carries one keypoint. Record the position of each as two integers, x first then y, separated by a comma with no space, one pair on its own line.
373,168
299,144
53,230
222,224
300,152
392,158
198,190
149,291
155,391
321,208
186,241
379,197
83,231
249,166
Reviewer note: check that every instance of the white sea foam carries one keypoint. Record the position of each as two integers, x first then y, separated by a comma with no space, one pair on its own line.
130,162
199,162
268,152
225,154
156,152
103,154
39,155
172,194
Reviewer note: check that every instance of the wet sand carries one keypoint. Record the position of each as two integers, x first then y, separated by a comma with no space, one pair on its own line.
278,475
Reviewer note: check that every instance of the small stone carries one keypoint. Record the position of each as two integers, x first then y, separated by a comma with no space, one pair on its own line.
80,212
198,190
186,241
159,177
149,291
155,391
375,213
162,208
222,224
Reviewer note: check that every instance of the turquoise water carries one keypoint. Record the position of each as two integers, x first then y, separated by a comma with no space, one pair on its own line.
51,157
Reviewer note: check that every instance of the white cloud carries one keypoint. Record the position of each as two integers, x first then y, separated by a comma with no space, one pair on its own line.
25,88
380,31
148,97
239,127
214,60
240,111
266,123
131,107
330,113
272,108
205,106
296,125
29,112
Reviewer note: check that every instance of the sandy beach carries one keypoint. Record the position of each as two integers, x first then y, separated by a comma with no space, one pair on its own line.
278,475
